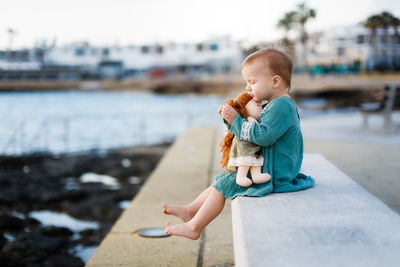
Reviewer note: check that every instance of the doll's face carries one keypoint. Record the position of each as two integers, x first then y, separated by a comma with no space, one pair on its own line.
254,109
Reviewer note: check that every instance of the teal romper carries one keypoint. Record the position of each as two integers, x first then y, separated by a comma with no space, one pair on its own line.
279,135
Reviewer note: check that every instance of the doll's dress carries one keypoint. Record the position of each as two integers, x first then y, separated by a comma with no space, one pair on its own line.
244,153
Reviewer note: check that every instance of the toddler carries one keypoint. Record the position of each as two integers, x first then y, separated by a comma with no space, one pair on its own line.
267,73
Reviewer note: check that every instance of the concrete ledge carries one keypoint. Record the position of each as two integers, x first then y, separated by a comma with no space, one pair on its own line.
335,223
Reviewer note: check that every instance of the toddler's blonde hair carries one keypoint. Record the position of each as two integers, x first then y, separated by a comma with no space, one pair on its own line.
276,58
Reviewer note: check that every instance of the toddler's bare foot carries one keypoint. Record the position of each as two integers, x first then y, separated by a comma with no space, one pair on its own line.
261,178
243,181
182,229
181,212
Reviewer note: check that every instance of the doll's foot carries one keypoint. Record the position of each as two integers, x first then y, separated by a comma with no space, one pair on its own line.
182,229
261,178
243,181
181,212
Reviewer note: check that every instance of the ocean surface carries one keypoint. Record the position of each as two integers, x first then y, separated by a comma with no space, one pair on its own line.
77,121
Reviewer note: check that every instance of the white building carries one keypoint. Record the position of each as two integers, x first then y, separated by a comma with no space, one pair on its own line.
349,46
25,59
217,55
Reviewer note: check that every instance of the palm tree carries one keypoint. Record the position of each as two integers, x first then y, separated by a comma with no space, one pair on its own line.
11,34
389,20
373,23
385,24
286,23
384,20
303,14
395,23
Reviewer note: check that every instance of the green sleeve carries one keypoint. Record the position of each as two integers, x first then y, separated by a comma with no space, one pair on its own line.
274,122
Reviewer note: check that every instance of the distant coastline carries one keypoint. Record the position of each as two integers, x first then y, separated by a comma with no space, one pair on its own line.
165,86
221,85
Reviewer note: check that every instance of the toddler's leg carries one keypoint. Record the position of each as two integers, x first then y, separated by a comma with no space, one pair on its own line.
257,176
210,209
185,213
241,176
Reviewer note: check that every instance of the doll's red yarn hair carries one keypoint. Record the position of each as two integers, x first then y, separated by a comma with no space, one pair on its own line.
239,104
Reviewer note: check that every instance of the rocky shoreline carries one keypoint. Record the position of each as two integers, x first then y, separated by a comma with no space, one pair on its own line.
93,186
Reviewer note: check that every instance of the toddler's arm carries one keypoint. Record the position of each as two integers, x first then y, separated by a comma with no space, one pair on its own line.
274,122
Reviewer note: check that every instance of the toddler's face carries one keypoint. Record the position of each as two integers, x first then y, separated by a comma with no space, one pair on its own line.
259,81
254,109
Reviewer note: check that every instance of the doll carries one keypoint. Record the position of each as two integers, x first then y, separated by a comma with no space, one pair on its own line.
243,155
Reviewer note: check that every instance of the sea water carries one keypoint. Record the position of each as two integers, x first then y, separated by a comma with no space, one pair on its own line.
73,121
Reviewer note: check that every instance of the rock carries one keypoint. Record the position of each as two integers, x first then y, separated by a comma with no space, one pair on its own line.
63,260
11,223
52,231
104,209
6,261
32,223
91,237
34,193
31,248
43,243
51,196
3,241
39,182
9,194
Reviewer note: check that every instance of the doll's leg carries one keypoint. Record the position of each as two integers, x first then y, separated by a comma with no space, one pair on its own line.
257,176
241,176
210,209
185,213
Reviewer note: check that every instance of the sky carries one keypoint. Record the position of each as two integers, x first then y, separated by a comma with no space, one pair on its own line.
125,22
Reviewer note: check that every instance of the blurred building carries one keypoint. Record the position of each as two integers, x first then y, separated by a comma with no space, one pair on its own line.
350,49
24,59
212,57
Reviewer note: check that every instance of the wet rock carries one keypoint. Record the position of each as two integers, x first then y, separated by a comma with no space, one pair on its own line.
31,247
91,237
32,223
3,241
9,194
6,261
58,196
11,223
63,260
52,231
46,182
103,209
43,243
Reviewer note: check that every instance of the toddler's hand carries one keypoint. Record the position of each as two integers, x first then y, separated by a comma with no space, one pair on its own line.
221,107
228,113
